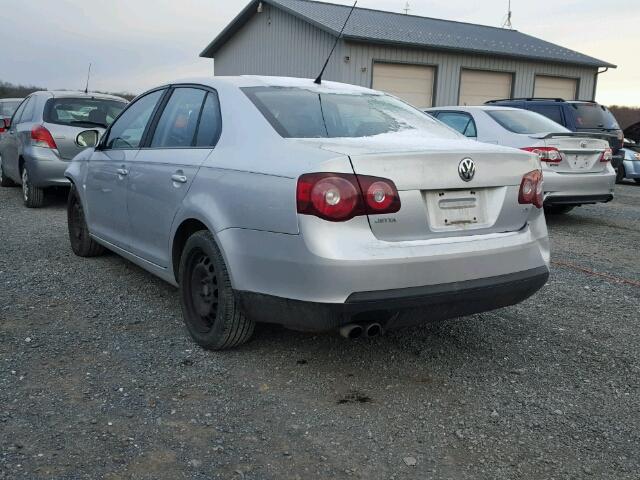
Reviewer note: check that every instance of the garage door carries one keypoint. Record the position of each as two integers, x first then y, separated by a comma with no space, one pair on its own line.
555,87
412,83
477,87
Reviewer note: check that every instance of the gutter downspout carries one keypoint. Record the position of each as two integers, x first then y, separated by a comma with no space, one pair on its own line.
595,83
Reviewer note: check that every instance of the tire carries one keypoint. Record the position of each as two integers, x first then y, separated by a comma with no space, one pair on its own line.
210,308
558,209
81,242
620,174
32,196
637,180
4,180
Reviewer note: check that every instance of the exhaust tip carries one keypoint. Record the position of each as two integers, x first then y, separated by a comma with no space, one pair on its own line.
351,332
374,330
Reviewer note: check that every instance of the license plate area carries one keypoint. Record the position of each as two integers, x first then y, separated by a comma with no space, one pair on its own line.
579,162
456,209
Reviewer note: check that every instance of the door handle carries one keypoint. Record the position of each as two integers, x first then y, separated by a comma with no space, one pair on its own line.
122,172
176,177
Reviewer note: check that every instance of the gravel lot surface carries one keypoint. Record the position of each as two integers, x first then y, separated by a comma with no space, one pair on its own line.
98,379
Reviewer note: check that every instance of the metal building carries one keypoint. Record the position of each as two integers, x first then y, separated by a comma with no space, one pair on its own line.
426,61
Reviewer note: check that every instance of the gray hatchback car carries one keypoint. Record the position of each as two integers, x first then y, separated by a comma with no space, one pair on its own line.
40,140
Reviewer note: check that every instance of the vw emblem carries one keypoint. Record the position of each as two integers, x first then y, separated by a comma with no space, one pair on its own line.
467,169
583,144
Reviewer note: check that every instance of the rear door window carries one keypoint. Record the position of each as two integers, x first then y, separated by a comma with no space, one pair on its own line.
179,120
210,122
461,122
127,131
26,114
553,112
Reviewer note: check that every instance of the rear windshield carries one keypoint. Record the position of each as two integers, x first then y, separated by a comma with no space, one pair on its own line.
82,112
7,108
301,113
592,115
525,122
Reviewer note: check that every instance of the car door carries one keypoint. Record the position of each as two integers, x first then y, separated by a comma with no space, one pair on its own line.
182,138
9,149
105,189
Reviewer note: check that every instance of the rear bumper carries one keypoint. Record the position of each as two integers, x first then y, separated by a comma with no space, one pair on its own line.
45,168
631,169
343,266
578,188
426,303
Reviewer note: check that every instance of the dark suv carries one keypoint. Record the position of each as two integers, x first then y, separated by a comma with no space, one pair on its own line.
577,116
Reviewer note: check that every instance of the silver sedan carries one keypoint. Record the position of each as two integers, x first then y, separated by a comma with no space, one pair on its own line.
318,207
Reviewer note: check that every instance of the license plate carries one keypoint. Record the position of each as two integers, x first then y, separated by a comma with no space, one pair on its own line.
579,162
457,209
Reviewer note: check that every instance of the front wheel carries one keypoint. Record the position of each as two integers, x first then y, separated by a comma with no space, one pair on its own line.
33,196
210,308
81,242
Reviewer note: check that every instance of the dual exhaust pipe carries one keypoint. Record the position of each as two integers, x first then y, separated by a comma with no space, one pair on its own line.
354,331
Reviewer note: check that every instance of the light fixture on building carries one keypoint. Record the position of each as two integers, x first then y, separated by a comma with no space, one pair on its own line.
260,7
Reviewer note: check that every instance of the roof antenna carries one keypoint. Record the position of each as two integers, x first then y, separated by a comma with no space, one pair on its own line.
507,22
318,80
86,88
407,8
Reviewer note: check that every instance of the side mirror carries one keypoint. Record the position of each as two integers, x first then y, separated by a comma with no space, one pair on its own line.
88,138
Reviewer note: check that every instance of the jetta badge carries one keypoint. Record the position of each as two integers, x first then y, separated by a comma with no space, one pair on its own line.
467,169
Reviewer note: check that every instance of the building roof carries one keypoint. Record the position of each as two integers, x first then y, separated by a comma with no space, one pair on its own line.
377,26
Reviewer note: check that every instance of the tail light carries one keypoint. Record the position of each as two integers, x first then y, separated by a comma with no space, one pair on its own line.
546,154
41,137
531,189
607,155
338,197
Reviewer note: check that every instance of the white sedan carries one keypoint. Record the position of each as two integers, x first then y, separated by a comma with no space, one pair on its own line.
577,170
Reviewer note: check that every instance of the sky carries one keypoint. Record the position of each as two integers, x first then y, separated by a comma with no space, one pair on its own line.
137,44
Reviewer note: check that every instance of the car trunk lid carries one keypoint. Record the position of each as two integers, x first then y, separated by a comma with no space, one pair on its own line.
436,201
579,155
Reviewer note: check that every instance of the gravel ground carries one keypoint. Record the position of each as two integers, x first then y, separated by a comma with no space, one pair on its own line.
98,379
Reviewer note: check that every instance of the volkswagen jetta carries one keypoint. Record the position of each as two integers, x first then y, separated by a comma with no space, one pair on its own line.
318,207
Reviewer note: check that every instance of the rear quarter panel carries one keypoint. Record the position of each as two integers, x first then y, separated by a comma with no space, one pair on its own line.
249,181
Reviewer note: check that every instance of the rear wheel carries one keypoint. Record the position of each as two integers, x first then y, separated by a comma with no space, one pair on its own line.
81,242
4,180
637,180
210,308
33,196
558,209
